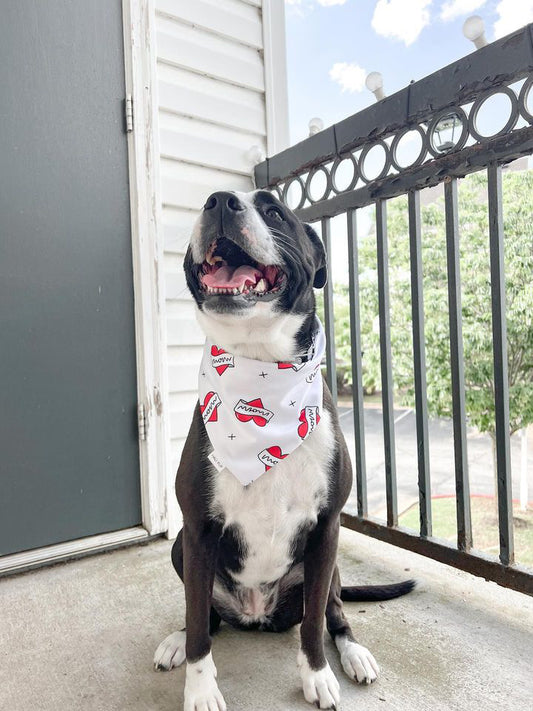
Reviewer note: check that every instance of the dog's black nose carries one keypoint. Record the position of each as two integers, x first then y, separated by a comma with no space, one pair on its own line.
224,201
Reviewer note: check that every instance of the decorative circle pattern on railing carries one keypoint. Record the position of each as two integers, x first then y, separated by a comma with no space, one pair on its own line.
494,113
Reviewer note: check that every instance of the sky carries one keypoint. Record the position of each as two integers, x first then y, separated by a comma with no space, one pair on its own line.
333,44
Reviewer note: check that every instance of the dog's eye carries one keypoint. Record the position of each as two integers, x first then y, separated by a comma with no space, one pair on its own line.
275,214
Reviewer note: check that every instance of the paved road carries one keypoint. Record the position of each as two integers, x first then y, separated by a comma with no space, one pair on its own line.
441,459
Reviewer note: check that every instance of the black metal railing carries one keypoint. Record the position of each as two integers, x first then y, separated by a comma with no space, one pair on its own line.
444,104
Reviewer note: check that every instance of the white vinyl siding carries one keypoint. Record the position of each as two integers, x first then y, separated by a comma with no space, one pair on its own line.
212,110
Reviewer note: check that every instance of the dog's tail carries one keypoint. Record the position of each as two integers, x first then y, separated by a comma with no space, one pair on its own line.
374,593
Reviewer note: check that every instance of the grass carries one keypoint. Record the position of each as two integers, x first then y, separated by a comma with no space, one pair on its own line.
484,525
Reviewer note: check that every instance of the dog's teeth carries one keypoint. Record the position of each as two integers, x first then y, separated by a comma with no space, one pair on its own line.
261,285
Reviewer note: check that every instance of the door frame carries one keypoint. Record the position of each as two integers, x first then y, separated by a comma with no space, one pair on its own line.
160,512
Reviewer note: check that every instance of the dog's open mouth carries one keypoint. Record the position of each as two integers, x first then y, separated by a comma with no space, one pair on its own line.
229,271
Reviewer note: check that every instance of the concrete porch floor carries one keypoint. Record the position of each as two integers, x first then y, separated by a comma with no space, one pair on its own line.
81,636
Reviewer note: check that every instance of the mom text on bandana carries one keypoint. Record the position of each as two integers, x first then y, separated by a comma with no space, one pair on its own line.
271,456
209,408
253,410
220,360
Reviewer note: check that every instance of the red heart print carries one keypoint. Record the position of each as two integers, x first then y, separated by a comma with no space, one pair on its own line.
213,417
276,452
243,414
271,456
216,351
290,366
303,429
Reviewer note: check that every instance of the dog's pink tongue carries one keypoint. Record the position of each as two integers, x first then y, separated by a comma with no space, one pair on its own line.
232,278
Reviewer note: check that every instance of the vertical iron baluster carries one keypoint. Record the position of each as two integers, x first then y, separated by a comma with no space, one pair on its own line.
357,370
329,318
386,363
501,379
462,485
419,363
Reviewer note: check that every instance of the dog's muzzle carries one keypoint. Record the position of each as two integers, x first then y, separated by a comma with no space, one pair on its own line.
232,272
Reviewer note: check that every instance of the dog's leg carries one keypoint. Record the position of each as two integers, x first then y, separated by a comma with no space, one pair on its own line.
200,550
356,660
194,559
319,683
171,652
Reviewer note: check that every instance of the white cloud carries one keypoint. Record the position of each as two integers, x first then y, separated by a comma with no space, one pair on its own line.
351,77
401,19
512,16
298,8
455,8
324,3
303,8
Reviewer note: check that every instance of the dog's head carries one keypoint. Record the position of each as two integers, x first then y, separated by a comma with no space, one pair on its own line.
250,257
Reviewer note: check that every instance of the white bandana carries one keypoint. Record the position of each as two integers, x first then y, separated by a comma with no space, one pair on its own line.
257,413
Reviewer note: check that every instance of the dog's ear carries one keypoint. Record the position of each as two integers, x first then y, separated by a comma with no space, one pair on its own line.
321,266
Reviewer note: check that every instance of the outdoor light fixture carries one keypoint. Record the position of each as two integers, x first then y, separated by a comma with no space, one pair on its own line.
474,30
374,83
446,133
315,125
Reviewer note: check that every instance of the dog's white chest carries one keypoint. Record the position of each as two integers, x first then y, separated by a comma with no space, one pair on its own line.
270,511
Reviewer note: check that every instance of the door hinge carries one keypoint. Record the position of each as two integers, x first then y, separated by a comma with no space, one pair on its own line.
142,422
129,113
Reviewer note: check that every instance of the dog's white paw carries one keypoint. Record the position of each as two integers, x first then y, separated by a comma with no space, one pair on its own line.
320,687
201,689
171,652
357,661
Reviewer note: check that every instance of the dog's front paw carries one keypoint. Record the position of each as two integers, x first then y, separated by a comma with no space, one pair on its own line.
171,652
357,661
201,689
320,687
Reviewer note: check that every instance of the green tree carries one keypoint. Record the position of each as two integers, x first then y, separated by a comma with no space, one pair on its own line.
476,303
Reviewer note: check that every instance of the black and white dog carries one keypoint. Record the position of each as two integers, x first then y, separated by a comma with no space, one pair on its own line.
263,556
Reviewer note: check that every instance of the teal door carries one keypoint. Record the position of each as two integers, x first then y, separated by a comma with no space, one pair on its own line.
69,459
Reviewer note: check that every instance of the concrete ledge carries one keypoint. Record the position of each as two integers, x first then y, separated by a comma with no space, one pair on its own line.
81,636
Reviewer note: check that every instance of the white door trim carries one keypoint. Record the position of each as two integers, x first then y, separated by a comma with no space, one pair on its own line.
275,62
27,560
147,250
